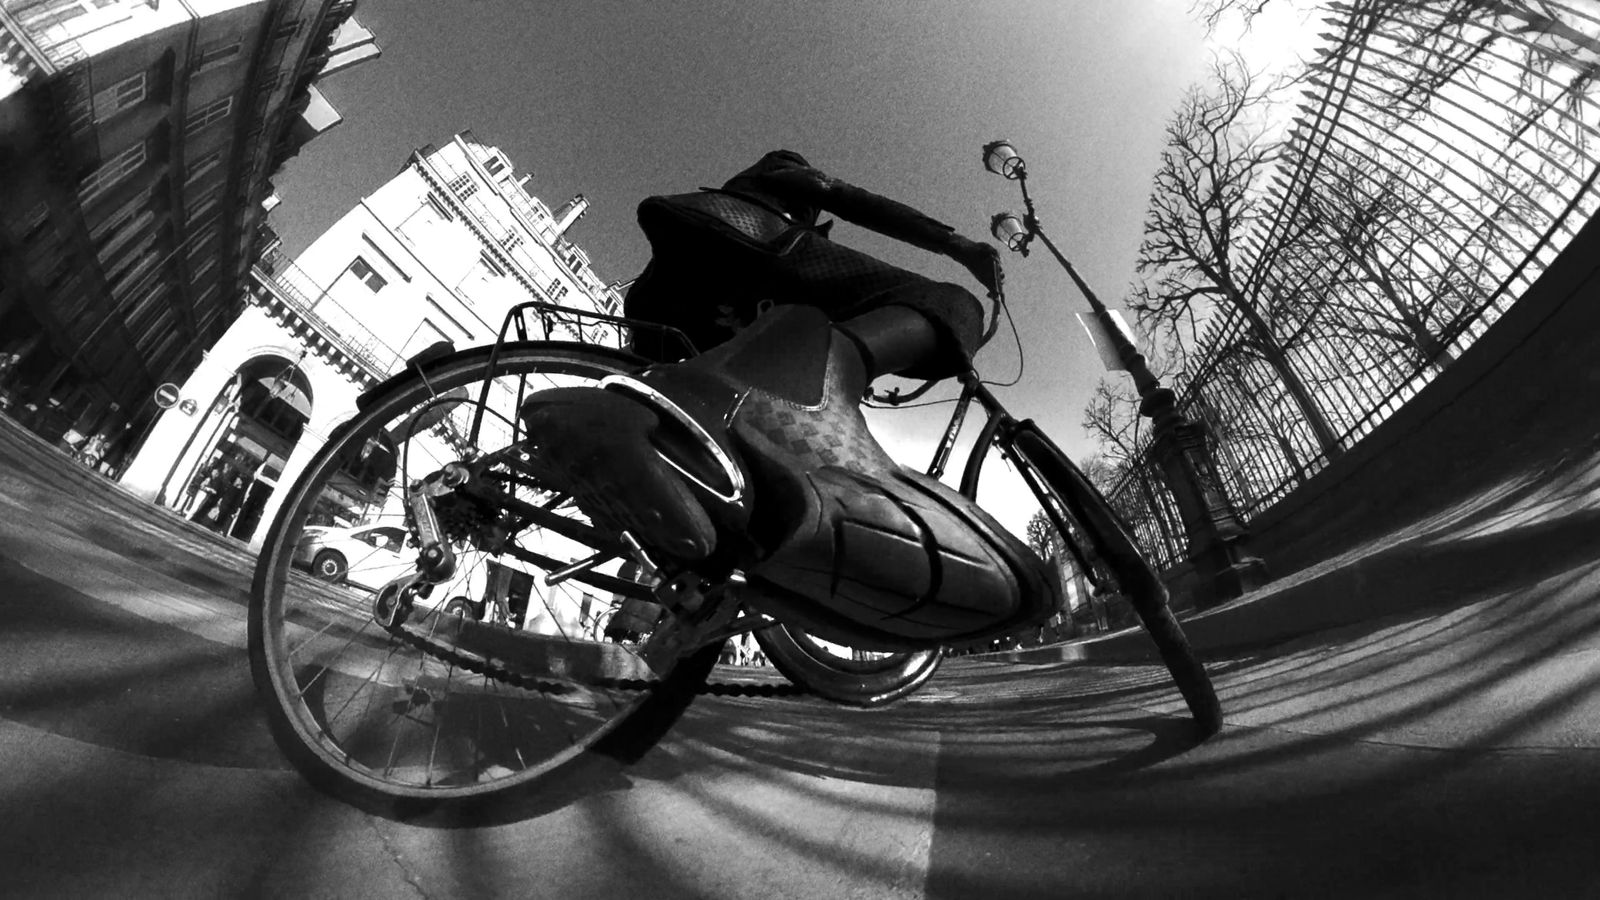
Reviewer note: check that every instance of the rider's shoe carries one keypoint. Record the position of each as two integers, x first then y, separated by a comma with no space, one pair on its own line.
757,450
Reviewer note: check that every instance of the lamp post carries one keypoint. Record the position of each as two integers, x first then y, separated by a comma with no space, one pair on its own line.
1218,541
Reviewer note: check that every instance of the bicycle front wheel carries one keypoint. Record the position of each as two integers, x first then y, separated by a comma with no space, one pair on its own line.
1117,565
393,701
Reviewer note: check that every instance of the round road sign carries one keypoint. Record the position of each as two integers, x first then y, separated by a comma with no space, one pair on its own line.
167,395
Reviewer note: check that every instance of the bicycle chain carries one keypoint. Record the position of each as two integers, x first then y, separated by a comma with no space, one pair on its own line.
504,674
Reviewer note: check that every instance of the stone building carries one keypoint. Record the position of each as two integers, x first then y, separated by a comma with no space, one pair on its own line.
440,252
137,144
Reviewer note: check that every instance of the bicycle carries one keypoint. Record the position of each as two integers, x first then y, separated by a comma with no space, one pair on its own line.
387,699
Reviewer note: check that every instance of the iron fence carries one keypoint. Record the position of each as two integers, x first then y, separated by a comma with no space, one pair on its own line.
1439,161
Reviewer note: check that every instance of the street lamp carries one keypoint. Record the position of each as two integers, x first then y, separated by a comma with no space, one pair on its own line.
1217,539
1001,158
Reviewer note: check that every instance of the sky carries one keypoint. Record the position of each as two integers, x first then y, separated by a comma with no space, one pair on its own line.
620,100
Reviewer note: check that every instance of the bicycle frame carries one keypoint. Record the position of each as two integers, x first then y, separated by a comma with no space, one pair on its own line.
1000,430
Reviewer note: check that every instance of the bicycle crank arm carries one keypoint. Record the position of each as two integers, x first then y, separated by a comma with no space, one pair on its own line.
695,618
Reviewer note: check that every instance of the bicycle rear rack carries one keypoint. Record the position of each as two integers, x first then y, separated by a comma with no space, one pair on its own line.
587,326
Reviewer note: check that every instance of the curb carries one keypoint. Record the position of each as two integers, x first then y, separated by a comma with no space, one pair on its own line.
73,478
1333,595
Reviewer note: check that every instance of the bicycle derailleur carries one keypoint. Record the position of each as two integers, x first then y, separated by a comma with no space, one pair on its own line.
436,560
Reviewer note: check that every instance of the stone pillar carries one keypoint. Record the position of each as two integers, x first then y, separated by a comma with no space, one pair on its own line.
1218,541
312,437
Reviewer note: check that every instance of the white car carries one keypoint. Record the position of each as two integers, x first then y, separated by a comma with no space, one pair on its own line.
366,555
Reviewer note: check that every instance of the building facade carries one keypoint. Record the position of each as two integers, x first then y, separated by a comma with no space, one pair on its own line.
441,252
137,144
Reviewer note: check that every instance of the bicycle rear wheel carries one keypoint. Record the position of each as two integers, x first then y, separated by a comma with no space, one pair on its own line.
400,706
1107,549
842,674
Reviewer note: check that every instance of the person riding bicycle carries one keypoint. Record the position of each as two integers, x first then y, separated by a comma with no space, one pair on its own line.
754,454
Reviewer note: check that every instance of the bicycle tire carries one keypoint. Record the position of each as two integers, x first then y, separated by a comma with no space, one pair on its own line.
384,721
1113,544
874,681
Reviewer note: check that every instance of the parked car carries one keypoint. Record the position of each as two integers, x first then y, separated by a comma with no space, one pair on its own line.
366,555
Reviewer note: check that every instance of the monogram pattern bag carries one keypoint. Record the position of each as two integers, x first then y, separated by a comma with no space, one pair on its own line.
756,223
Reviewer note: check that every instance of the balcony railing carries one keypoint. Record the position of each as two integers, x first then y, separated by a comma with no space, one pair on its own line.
277,274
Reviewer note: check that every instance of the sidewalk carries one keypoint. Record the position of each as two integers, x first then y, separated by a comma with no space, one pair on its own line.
104,511
1502,541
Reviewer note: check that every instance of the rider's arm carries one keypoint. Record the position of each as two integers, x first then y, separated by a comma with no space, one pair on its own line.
786,176
862,207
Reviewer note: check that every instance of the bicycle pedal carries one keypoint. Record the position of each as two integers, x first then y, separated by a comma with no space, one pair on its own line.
695,614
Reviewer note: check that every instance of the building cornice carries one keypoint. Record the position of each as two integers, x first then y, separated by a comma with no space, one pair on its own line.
492,246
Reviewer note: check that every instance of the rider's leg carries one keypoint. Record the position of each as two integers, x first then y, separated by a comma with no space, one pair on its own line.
708,284
827,518
893,339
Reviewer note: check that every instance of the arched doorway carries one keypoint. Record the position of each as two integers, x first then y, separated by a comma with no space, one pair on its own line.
242,445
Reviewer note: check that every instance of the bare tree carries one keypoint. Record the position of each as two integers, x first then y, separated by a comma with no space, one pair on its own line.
1043,537
1112,417
1121,470
1210,195
1384,272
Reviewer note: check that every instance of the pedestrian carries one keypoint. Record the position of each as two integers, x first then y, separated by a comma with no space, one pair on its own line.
215,484
93,450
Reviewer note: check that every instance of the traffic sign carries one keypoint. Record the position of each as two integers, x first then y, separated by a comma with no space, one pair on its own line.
167,395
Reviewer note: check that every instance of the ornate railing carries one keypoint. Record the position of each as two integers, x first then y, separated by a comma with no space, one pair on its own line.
279,275
1442,158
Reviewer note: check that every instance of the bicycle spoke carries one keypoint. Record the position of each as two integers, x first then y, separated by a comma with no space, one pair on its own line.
446,707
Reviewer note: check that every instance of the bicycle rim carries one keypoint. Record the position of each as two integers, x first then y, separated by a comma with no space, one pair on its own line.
445,709
1105,546
843,674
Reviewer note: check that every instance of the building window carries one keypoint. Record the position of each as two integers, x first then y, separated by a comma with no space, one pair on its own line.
203,203
494,165
33,220
118,97
267,82
368,276
125,234
39,16
137,315
111,171
201,238
463,186
44,16
199,168
212,112
129,273
116,220
161,358
147,333
215,54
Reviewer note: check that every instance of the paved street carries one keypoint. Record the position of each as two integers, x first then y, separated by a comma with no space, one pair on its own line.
1447,748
